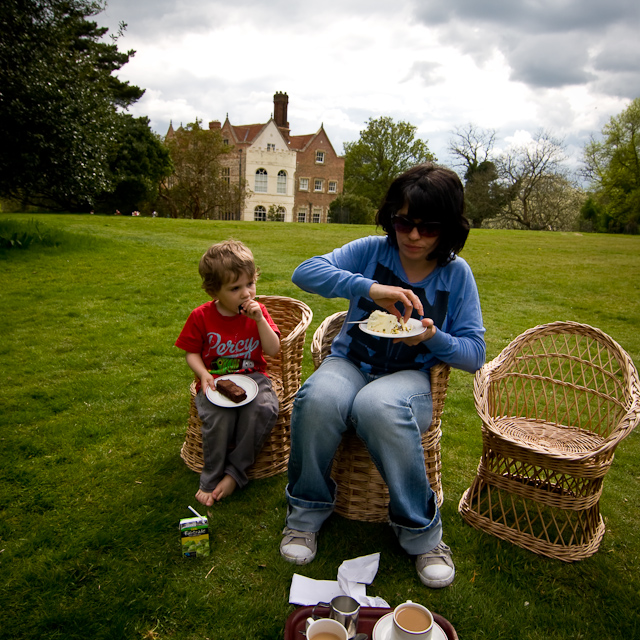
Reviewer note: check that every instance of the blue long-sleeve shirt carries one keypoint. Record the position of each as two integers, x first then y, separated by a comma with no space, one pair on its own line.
448,294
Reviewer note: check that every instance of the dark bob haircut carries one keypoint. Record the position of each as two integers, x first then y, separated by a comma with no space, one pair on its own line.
434,194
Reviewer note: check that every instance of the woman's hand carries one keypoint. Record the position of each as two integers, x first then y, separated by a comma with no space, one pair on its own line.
427,334
386,297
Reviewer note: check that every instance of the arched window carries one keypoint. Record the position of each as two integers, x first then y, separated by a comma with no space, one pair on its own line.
260,214
261,181
282,181
280,214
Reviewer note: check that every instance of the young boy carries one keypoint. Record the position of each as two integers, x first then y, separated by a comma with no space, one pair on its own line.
230,335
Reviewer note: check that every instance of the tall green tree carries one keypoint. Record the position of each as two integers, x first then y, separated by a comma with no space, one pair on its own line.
197,187
612,166
137,162
384,150
59,102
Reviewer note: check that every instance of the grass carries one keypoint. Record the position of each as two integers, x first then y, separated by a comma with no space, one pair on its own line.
94,407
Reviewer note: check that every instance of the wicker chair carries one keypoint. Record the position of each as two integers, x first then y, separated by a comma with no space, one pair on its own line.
362,493
293,318
554,406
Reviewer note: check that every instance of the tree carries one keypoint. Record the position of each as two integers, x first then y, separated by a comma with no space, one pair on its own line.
485,195
196,188
58,102
137,162
384,150
351,209
612,165
532,174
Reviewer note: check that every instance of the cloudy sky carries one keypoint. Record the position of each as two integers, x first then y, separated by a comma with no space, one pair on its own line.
516,66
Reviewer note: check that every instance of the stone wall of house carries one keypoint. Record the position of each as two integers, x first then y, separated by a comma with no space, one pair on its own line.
319,179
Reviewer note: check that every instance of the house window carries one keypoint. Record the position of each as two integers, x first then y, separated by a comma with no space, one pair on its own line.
225,142
333,186
316,214
302,214
319,157
226,175
260,214
318,185
304,184
271,147
280,213
282,181
261,181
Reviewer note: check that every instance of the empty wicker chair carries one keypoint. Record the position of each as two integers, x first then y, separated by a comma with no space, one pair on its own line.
293,318
362,493
554,406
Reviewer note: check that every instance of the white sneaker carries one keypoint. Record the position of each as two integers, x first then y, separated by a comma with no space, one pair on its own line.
436,568
298,547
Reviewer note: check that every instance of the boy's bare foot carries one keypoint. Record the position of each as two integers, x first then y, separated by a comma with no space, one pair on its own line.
225,488
205,498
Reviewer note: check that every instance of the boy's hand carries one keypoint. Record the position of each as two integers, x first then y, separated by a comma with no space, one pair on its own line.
252,310
207,380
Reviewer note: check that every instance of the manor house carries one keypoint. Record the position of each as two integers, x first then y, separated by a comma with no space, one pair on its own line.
294,178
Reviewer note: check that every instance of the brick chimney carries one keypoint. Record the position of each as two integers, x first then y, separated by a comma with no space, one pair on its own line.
280,106
215,124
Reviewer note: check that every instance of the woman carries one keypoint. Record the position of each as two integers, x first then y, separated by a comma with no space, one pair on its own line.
380,387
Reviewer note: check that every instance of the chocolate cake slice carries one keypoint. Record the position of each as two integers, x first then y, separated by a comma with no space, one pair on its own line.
231,390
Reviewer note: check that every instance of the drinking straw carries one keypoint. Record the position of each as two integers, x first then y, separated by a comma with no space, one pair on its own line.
194,511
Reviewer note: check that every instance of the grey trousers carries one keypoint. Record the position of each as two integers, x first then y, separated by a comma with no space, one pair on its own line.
232,437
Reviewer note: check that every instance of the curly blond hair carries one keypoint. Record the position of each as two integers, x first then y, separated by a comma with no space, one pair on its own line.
225,262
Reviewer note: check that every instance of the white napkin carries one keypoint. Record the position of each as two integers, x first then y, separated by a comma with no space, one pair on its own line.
353,576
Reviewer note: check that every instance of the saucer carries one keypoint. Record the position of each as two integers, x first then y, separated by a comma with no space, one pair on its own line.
382,630
248,384
414,324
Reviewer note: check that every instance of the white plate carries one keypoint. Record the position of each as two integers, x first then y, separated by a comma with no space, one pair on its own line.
413,323
248,384
382,630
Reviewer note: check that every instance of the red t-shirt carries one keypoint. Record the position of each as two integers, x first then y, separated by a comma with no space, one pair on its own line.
227,344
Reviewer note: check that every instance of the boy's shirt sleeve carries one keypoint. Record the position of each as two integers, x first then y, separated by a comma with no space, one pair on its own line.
192,337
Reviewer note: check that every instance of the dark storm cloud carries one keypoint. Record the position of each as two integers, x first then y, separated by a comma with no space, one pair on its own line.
548,43
541,16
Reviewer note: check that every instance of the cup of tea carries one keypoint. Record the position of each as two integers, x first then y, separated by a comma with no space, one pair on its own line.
326,629
411,621
345,610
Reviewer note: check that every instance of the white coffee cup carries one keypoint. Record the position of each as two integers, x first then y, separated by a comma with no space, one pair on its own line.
411,621
318,628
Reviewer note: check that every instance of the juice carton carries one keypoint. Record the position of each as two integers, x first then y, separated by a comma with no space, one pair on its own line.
194,534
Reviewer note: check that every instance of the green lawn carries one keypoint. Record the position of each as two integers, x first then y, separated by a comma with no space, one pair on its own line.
94,407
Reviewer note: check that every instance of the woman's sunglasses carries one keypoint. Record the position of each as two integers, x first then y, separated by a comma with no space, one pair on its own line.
425,229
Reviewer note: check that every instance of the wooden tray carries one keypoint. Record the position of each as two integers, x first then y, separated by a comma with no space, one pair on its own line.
367,620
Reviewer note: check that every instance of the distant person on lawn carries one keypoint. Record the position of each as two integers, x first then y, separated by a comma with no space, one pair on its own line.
230,335
381,387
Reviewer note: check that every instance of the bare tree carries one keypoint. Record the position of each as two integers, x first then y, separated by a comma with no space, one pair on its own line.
471,146
485,196
531,172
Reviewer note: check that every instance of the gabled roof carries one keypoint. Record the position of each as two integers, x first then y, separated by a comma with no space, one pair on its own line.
302,143
299,143
248,133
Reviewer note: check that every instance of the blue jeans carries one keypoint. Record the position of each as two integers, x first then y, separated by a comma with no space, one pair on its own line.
389,414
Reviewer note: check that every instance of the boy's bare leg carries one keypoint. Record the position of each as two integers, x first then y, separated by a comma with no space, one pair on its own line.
225,488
